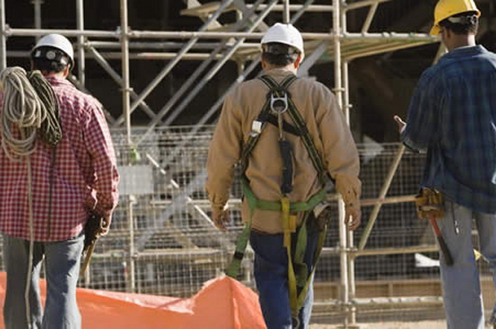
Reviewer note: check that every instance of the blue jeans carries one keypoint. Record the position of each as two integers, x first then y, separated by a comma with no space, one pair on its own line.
271,277
62,262
461,284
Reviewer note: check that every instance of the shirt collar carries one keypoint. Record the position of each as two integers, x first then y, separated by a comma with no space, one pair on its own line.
57,81
465,51
279,71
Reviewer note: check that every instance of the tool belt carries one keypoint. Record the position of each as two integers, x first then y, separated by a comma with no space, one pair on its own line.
429,203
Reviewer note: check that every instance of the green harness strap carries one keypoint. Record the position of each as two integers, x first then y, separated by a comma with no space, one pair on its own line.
299,122
298,276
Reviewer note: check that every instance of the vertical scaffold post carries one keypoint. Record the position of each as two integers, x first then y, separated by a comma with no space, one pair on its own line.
131,285
338,90
80,42
3,41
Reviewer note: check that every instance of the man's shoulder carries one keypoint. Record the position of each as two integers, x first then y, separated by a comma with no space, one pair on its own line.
310,82
433,74
70,93
300,85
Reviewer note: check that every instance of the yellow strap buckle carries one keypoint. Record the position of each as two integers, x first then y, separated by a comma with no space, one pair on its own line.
288,221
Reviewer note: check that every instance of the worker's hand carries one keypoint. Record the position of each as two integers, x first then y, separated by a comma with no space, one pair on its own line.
220,216
105,225
353,218
400,122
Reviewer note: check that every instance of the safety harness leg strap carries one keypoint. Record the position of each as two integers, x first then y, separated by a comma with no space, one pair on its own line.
235,264
304,290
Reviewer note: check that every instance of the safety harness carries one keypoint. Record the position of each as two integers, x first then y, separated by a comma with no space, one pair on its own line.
279,101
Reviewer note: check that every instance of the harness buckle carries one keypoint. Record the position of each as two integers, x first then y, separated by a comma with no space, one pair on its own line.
256,128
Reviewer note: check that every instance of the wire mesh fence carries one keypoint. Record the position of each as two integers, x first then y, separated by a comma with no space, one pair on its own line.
163,242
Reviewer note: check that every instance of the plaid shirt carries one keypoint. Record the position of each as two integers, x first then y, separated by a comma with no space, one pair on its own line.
84,176
453,116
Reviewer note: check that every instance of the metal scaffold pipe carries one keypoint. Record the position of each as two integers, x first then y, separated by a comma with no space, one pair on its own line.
193,78
131,282
3,41
343,255
215,35
285,12
173,63
370,17
216,68
361,4
382,194
284,7
117,78
80,42
219,102
37,13
160,45
213,109
302,9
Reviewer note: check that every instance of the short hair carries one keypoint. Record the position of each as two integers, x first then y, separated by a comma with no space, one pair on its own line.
279,54
50,60
463,23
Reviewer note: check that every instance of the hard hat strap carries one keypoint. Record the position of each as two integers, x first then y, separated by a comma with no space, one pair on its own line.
463,20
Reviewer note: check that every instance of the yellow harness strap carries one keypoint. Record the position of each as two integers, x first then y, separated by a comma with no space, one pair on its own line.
289,226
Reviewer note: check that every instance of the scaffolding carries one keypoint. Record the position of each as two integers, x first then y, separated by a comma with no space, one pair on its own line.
214,44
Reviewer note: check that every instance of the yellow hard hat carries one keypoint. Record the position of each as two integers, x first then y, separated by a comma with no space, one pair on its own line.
448,8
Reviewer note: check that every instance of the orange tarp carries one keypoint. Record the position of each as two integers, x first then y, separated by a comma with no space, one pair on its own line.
223,303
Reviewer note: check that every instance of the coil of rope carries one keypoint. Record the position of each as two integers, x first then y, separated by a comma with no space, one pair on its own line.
29,109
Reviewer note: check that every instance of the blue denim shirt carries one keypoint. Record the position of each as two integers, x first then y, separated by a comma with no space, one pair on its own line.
452,115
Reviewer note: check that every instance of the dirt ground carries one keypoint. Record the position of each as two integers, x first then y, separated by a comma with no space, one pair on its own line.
438,324
389,325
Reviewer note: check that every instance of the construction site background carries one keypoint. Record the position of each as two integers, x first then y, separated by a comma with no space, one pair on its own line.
171,247
161,71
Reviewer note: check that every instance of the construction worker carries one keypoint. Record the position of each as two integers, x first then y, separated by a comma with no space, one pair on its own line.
452,115
49,185
301,137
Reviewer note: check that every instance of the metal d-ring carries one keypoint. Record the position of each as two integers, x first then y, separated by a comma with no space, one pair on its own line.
279,104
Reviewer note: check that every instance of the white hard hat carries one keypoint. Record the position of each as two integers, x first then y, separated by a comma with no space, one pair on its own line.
286,34
56,41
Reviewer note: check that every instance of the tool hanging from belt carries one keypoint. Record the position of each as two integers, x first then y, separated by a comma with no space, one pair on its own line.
279,102
430,205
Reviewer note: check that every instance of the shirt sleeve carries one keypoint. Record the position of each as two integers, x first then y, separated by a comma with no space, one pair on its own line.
101,149
422,114
224,152
340,153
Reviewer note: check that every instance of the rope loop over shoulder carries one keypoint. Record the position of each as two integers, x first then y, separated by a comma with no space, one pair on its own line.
29,106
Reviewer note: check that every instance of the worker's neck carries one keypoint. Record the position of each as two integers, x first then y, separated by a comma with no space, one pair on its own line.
291,67
55,75
459,41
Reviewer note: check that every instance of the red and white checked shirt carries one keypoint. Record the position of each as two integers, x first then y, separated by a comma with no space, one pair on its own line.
85,173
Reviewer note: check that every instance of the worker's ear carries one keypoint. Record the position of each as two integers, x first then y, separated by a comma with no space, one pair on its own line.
264,64
298,61
447,33
67,70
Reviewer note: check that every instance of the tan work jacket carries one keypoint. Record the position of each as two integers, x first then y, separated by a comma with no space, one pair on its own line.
326,125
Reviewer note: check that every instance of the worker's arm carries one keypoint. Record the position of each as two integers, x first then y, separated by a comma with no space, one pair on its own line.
223,154
420,128
99,145
340,156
